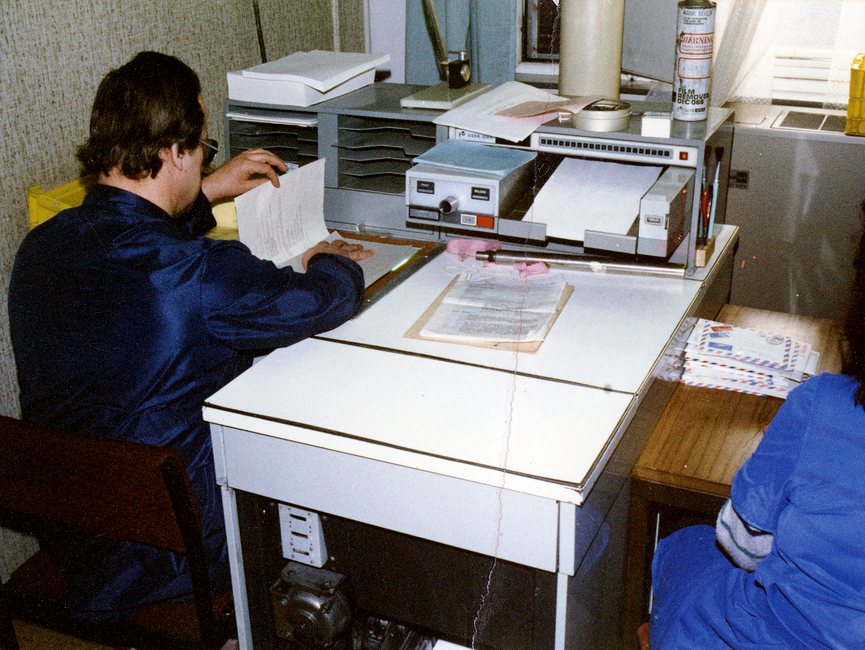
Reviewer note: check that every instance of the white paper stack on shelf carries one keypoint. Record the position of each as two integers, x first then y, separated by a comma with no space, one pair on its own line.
304,78
745,360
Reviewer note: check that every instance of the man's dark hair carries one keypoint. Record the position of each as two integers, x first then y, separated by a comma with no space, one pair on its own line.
853,326
141,108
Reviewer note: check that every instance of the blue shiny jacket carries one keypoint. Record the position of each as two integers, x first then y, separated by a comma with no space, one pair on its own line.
123,321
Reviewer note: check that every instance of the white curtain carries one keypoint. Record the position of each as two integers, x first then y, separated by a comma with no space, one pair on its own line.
749,34
736,23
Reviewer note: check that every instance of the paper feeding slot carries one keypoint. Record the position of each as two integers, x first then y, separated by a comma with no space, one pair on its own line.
595,202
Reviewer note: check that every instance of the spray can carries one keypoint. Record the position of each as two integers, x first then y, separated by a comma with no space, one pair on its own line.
692,78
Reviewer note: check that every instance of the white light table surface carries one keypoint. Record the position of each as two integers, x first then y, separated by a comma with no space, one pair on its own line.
463,446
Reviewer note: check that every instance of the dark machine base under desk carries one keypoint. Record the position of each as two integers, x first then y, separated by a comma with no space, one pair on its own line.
469,598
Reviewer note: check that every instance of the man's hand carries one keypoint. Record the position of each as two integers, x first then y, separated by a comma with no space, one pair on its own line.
354,252
241,174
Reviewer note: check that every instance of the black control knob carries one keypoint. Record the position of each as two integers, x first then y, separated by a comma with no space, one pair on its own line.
449,205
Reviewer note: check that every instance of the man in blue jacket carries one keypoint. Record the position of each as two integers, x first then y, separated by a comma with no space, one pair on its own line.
124,318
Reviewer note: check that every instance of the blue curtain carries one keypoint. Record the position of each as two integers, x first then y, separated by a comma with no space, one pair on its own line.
486,29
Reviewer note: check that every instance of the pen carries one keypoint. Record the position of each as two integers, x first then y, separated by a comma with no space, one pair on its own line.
704,212
719,154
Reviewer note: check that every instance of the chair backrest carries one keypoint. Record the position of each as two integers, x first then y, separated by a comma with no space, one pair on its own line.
124,490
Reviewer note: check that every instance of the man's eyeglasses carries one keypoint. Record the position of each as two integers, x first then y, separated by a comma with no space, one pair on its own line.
211,147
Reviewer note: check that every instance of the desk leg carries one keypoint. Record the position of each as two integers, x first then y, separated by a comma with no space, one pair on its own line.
561,611
235,557
636,605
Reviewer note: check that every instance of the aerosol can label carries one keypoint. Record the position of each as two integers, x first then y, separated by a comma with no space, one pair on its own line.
692,78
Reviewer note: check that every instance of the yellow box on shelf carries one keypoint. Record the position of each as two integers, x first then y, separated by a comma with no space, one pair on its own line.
44,205
226,221
856,105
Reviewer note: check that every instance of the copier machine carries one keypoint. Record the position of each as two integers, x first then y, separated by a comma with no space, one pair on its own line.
374,182
581,192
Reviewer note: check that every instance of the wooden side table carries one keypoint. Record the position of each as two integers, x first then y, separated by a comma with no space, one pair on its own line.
704,435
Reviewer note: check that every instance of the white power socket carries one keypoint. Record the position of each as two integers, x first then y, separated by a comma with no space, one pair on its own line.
302,536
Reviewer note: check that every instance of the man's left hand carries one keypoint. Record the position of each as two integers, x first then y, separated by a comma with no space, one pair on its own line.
242,173
354,252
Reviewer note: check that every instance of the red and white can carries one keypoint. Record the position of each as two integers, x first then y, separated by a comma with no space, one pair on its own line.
692,78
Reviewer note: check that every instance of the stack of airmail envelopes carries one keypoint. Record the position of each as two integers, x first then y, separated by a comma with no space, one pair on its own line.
724,356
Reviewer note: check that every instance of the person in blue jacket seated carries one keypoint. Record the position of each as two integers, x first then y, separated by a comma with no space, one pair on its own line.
124,319
785,565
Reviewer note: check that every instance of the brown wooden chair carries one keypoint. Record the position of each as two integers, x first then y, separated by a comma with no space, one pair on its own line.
123,490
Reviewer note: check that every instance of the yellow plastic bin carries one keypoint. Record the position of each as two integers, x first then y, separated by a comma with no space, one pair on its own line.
226,221
44,205
856,105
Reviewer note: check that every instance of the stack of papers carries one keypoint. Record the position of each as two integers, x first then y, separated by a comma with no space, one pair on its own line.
304,78
511,111
480,115
281,223
745,360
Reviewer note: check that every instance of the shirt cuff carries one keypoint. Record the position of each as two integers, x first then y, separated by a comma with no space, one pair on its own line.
746,545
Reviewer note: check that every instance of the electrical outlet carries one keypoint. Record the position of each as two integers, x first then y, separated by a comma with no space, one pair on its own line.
302,536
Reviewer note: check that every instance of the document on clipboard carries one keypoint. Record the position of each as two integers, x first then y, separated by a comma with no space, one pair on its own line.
495,312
